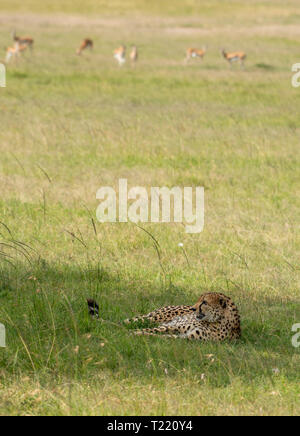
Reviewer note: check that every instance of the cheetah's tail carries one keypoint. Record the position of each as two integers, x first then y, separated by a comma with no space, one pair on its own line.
94,312
141,318
93,308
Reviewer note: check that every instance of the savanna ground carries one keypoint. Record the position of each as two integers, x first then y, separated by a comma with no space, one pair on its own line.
70,125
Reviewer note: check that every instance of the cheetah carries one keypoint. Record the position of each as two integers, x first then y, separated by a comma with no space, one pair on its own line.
214,317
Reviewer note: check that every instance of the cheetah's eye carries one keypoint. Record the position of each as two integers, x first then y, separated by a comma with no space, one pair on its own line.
204,302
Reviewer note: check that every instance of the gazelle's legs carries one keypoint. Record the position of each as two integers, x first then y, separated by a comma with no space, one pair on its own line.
8,57
186,59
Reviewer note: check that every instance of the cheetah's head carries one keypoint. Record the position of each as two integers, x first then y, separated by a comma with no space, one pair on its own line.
211,307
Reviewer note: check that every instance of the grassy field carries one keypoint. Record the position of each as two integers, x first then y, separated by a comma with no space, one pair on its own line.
73,124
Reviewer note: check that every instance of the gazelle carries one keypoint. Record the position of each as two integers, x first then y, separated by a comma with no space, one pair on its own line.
86,43
23,40
134,54
238,56
14,52
120,55
195,53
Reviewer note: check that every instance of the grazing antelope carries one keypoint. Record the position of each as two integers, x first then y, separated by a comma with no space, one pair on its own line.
134,54
120,55
14,52
23,40
86,43
238,56
194,53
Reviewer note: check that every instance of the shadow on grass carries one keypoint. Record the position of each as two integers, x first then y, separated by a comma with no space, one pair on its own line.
50,334
266,67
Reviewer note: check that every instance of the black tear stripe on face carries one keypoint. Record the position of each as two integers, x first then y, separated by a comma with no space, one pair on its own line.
202,304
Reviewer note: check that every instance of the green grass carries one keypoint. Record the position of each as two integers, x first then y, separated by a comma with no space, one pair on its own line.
71,125
208,9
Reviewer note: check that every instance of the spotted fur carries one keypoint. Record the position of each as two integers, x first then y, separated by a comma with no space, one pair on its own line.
213,318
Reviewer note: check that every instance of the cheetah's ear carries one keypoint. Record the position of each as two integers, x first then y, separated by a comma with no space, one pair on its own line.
223,303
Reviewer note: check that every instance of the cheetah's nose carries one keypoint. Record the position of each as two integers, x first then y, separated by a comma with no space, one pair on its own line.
200,316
